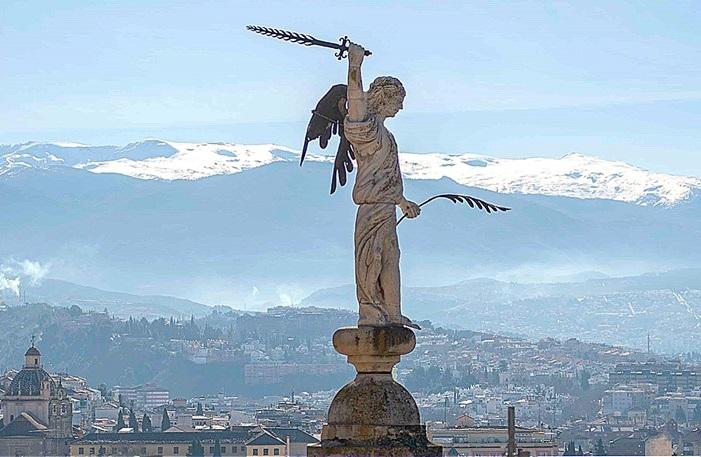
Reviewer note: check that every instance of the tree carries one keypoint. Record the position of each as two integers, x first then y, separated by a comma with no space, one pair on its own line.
217,449
133,422
196,449
165,421
104,391
599,448
120,420
584,380
680,415
146,423
570,449
199,411
697,414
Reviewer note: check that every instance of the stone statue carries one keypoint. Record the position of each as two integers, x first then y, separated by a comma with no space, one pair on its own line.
373,415
378,189
358,119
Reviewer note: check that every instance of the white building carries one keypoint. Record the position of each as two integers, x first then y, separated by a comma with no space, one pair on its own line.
146,396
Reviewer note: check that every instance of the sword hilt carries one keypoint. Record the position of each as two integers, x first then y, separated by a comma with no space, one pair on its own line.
343,48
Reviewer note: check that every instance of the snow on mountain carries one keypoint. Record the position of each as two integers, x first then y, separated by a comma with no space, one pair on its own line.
573,175
19,158
195,161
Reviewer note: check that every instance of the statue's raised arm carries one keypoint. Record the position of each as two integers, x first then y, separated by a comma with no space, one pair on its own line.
357,102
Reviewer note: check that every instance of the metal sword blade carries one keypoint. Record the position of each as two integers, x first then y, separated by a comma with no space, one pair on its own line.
304,39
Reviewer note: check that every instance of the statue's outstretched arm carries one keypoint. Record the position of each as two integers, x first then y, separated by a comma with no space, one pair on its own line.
357,103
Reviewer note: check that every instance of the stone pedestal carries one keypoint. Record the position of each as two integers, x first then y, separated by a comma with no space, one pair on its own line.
373,415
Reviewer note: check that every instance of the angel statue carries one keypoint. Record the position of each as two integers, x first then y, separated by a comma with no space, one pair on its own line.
358,118
378,186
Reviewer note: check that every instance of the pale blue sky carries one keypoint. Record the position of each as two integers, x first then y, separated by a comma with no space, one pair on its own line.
616,79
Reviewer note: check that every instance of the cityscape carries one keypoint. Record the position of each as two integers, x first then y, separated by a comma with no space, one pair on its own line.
600,399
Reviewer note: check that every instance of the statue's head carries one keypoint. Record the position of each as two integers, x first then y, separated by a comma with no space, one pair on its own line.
386,96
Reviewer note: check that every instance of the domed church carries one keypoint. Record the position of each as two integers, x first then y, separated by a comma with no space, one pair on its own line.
37,413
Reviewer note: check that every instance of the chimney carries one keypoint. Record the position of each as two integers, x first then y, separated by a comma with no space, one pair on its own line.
511,445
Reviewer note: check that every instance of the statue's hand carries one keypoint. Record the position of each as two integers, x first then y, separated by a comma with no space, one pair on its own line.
410,209
356,54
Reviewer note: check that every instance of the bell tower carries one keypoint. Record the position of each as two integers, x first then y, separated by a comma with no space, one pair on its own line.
32,358
60,413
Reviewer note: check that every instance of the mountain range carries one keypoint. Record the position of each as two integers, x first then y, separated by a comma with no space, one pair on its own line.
625,311
244,225
573,175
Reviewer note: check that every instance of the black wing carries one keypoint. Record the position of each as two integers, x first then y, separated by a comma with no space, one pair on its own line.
327,119
343,162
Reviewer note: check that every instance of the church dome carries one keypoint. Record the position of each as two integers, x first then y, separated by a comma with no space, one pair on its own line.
28,382
32,351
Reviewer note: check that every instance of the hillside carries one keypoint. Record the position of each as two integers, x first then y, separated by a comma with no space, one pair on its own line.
618,311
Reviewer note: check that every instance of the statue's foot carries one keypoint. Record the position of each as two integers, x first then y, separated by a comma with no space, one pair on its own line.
373,315
408,323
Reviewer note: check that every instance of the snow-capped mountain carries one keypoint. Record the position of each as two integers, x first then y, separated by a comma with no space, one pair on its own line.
195,161
573,175
274,227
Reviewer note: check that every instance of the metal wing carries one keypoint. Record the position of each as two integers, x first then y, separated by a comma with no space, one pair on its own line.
327,119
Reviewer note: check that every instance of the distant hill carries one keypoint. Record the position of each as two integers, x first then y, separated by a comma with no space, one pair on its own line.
619,311
105,349
63,293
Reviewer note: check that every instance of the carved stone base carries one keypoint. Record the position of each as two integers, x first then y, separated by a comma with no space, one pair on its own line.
374,349
390,442
374,415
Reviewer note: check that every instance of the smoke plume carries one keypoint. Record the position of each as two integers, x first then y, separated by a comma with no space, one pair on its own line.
14,274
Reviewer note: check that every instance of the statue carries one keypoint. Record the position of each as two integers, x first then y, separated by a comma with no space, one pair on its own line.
373,414
378,186
378,189
358,119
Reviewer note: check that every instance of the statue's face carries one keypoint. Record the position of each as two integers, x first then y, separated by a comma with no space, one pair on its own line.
393,105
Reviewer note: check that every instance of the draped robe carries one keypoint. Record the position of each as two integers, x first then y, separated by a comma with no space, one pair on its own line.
378,189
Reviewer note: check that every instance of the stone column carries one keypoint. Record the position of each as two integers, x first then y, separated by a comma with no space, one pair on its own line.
374,415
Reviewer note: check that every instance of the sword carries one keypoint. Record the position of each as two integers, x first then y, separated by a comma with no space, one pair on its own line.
306,40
